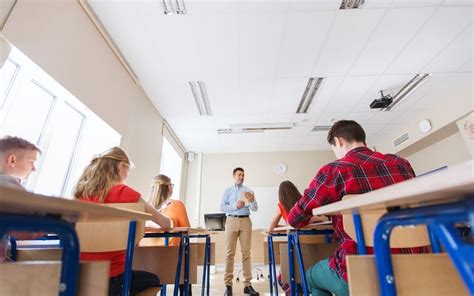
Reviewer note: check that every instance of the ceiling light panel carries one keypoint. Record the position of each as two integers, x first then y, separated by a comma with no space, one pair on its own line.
199,91
173,7
407,89
314,84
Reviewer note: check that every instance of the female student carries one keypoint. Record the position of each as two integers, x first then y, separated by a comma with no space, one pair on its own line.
160,198
103,182
288,195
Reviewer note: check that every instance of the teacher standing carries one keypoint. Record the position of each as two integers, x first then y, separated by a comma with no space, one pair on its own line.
237,202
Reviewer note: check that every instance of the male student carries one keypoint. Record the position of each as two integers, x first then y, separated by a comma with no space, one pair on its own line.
357,170
17,162
237,201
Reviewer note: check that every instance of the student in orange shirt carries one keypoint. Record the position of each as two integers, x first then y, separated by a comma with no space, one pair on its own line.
103,182
160,198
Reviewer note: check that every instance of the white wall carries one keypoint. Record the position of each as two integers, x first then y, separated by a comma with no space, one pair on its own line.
61,39
259,167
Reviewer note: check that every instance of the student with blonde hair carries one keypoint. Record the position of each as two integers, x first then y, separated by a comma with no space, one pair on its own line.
103,181
160,198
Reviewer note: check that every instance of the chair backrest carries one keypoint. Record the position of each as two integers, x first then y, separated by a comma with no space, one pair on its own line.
109,236
401,237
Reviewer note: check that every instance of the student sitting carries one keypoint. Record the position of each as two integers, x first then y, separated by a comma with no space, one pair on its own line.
103,182
17,162
288,195
357,170
160,198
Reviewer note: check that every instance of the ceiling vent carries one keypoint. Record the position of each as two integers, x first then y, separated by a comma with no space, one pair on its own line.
400,140
351,4
321,128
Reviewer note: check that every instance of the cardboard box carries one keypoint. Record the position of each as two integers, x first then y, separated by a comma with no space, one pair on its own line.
162,261
312,254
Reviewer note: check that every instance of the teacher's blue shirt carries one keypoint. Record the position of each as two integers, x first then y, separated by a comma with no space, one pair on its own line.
229,201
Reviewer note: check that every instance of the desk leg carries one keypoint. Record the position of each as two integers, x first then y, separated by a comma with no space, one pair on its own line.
435,246
270,269
275,276
291,268
163,287
127,281
204,266
66,233
178,267
208,285
186,265
13,247
361,248
441,218
299,256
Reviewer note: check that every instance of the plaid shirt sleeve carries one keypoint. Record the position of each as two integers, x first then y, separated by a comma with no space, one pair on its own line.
322,190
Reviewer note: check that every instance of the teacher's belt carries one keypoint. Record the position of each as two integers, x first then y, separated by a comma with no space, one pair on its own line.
239,216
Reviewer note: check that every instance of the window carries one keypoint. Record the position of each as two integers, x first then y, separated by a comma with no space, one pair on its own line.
171,165
36,107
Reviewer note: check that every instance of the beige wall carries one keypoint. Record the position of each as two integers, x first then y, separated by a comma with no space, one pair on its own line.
61,39
448,151
217,175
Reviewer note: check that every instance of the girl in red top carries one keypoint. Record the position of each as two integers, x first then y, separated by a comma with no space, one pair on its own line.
288,195
103,182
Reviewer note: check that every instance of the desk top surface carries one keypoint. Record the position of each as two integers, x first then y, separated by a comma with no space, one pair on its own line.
187,230
22,202
326,225
448,185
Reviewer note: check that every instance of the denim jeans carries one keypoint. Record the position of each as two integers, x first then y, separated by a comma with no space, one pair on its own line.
141,280
323,281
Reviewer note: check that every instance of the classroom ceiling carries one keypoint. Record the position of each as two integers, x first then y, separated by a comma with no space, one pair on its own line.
256,57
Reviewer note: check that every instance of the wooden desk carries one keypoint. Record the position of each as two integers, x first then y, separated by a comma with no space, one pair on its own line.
26,203
438,200
185,233
24,211
449,185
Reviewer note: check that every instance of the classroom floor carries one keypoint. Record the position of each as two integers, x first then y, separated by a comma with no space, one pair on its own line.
218,287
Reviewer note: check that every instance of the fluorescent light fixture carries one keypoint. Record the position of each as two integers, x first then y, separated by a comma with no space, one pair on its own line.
173,6
255,128
199,91
311,89
407,89
321,128
351,4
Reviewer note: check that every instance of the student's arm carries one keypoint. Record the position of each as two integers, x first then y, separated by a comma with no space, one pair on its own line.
226,207
157,217
322,190
275,220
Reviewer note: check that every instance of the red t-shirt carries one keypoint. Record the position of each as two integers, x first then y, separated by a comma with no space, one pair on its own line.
284,213
117,194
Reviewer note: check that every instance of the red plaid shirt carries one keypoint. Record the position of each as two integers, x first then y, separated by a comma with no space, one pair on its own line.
360,171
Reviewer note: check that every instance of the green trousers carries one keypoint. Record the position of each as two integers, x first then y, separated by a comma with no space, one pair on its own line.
323,281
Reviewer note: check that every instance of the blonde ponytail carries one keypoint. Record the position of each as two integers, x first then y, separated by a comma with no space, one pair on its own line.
160,191
102,173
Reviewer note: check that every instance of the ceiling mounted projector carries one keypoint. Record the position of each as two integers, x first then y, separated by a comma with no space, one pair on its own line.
383,102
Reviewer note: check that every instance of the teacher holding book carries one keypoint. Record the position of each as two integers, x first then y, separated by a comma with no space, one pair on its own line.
237,202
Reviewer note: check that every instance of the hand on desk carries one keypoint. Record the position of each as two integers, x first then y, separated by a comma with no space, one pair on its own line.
240,204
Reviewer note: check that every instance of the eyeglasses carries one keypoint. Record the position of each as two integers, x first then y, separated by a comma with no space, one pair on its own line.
172,185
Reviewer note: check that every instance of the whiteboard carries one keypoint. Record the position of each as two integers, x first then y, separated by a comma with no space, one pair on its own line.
267,199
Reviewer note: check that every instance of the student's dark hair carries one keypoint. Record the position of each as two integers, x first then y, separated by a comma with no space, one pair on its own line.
349,130
237,169
10,143
288,195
